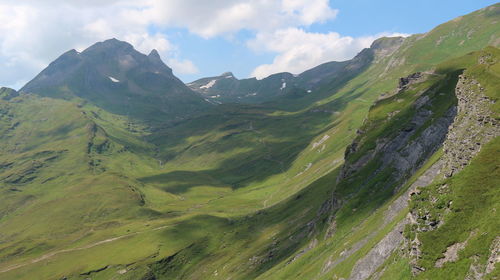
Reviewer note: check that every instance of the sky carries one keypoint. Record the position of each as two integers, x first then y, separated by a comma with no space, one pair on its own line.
202,38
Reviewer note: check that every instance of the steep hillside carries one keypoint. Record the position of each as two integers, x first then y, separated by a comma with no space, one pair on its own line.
303,186
414,146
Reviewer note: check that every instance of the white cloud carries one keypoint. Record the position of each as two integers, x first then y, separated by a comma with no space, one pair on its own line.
145,42
182,66
298,50
34,32
212,18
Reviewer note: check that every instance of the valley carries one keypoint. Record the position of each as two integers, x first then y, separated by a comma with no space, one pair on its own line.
378,167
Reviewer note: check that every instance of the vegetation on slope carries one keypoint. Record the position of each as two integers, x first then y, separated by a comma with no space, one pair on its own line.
241,192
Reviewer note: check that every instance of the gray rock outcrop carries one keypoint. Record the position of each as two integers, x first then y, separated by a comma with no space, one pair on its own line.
473,126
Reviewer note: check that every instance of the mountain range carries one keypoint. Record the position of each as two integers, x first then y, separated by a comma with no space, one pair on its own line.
384,166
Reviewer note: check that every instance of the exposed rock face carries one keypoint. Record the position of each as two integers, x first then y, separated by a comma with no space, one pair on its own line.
386,46
410,79
462,131
494,255
407,150
402,202
369,264
472,127
407,155
451,254
403,152
478,270
377,256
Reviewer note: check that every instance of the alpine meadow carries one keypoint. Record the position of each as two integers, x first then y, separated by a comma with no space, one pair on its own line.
383,166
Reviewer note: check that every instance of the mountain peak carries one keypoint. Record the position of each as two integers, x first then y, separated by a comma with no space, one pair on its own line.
107,71
114,42
227,74
155,59
110,45
387,42
154,54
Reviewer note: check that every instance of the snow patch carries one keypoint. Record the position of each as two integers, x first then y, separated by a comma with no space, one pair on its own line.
215,96
283,86
309,91
321,141
114,80
307,168
209,85
213,101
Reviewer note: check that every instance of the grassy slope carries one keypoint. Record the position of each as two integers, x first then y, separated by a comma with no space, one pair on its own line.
215,176
473,193
456,225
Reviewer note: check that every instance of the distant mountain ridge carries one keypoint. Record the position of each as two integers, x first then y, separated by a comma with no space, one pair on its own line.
226,88
387,169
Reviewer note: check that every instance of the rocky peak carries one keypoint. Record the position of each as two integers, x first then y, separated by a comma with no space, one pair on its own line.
107,71
110,46
154,55
386,46
387,43
155,59
227,75
472,127
404,82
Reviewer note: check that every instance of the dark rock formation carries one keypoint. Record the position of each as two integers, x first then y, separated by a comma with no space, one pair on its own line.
404,82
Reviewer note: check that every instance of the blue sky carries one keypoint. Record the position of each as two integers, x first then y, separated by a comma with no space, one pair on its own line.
205,38
355,18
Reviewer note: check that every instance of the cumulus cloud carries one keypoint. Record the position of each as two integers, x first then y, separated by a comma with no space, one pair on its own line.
212,18
182,66
298,50
33,32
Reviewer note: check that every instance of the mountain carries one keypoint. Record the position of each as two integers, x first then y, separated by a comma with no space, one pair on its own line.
117,78
388,169
228,89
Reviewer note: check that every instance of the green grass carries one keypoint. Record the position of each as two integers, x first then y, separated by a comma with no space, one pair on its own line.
474,194
237,187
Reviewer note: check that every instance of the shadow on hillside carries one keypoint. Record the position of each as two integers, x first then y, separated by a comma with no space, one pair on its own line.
236,234
301,217
181,181
283,139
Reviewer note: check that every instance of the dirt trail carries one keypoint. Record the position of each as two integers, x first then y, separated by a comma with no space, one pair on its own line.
88,246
